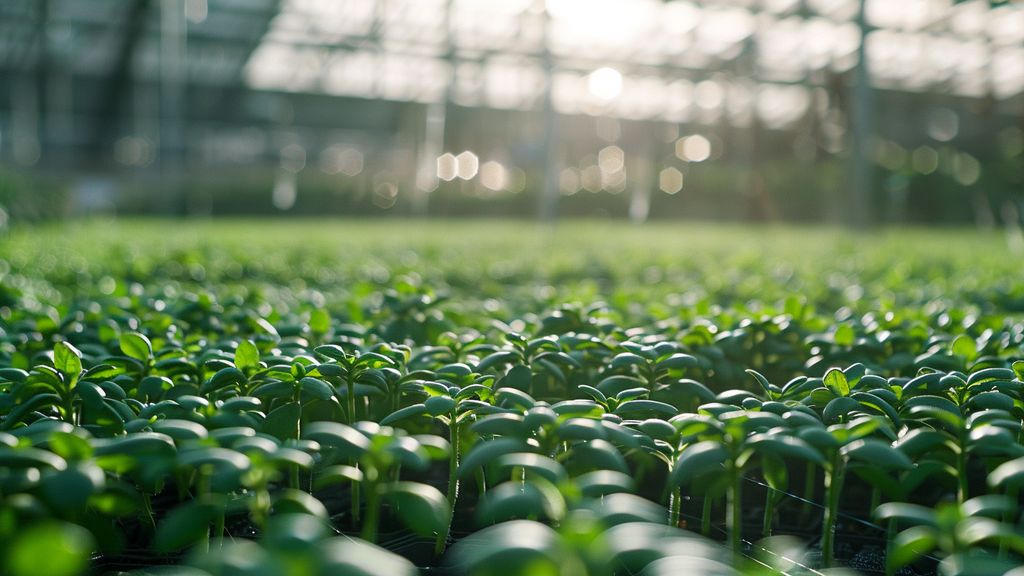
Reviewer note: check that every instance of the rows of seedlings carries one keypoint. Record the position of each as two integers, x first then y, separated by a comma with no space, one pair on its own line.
188,416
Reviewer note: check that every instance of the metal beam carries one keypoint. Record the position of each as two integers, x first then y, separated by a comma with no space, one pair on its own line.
112,97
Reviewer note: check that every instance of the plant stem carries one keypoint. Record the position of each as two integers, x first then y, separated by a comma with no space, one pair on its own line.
356,500
735,517
147,506
808,491
351,401
369,532
833,486
218,525
705,516
453,484
674,507
961,473
203,487
890,533
769,512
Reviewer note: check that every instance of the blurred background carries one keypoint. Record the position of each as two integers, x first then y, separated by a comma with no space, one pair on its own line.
847,111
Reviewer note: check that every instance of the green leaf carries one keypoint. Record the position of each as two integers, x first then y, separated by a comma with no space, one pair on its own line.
338,474
355,557
875,452
678,361
69,490
844,335
599,483
319,321
696,460
519,377
913,514
785,447
316,388
487,451
1018,369
291,501
348,441
421,507
1008,473
763,382
247,356
964,346
534,464
439,405
596,455
51,548
911,544
836,381
511,500
68,360
403,414
184,526
283,421
646,408
137,346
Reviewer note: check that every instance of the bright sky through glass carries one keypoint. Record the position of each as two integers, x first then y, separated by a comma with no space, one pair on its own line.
676,61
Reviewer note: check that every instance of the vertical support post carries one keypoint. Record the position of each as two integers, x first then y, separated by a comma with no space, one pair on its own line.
435,119
548,201
641,181
173,37
860,208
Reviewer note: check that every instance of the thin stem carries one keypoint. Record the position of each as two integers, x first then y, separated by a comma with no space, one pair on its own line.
351,401
890,534
147,506
833,486
705,516
769,512
809,473
736,513
218,525
453,484
674,507
369,532
203,488
961,472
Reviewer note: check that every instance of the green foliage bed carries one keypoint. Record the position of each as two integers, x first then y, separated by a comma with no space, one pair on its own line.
334,397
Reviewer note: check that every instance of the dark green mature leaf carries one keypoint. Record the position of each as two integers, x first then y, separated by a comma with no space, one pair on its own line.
875,452
787,447
420,507
513,500
646,408
534,464
706,457
69,490
1008,474
184,526
404,414
485,452
349,442
519,377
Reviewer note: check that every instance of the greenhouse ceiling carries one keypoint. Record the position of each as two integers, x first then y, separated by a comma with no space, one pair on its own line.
644,59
